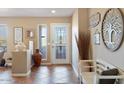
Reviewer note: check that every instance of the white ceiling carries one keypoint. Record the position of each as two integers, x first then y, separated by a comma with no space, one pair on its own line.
35,12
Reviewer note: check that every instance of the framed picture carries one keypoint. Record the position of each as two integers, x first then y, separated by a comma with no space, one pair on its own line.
97,38
18,34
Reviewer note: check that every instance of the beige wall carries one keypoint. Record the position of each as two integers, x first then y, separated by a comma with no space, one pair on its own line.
29,23
83,19
100,51
79,24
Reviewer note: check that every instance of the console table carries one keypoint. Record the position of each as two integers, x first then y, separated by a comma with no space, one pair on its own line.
21,63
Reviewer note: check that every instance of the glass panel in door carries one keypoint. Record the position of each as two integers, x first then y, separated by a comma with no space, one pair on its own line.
43,41
3,38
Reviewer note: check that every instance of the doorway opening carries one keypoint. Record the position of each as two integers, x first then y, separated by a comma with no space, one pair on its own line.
55,44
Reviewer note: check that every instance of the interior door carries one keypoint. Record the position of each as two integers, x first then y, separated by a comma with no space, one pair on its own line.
60,43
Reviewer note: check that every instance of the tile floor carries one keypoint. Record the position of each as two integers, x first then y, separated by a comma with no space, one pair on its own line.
54,74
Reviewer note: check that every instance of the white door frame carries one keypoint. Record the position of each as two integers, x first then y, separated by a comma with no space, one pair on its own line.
69,42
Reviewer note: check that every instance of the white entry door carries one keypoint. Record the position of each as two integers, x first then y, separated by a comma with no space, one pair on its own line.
60,43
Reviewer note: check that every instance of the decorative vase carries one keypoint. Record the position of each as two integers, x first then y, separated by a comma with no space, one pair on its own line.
20,46
37,58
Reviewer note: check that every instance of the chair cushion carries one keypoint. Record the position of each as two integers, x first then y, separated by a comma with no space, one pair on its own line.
109,73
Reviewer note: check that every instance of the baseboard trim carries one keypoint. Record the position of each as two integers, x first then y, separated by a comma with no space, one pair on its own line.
43,64
21,74
76,72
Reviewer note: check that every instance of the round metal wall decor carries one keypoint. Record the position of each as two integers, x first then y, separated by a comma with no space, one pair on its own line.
112,29
95,20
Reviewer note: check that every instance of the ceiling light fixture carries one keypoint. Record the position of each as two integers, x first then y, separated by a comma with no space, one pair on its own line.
53,11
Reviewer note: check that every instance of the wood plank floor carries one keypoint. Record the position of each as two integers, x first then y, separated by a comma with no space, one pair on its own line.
54,74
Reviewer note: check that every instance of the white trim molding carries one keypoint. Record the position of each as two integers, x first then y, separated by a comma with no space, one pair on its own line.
21,74
76,71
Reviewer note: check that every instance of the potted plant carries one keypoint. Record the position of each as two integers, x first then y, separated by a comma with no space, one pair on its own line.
84,46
